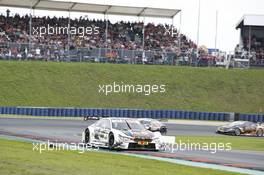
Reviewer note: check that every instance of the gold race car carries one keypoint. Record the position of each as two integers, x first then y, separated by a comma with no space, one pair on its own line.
238,128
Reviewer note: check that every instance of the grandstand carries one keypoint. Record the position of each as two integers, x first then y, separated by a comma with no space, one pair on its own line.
135,42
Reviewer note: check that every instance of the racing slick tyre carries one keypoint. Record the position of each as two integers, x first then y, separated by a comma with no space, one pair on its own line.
87,136
237,132
111,141
259,133
163,131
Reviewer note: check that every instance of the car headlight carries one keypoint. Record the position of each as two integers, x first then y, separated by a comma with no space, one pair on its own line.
123,138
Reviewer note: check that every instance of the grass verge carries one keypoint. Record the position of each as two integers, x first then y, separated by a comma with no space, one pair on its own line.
77,84
18,158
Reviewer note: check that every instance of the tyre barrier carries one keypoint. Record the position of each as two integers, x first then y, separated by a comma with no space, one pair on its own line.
132,113
251,117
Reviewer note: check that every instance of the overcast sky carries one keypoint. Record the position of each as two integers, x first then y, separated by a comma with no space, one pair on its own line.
229,13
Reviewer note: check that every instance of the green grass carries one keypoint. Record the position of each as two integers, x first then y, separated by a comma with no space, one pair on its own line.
237,143
18,158
76,85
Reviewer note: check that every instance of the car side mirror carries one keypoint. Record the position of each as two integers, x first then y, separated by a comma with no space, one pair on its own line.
147,127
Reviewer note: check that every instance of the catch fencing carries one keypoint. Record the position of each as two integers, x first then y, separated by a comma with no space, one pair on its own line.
55,52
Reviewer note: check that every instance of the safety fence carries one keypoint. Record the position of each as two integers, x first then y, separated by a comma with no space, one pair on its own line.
56,52
133,113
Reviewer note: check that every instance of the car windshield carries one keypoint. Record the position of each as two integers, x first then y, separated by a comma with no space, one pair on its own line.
126,125
145,122
237,123
120,125
135,125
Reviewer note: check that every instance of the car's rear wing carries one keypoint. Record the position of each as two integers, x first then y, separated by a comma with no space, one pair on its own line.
87,117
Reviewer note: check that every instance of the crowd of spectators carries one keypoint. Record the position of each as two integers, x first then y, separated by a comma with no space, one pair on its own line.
256,49
159,44
255,52
120,35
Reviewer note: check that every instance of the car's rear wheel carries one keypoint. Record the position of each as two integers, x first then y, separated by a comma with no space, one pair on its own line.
111,141
259,133
87,136
237,132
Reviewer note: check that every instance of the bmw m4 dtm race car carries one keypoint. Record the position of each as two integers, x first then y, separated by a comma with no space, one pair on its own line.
121,133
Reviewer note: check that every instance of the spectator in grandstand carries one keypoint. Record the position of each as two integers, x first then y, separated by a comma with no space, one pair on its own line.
254,49
121,35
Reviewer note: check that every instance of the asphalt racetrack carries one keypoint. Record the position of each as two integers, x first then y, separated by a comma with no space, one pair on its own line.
70,131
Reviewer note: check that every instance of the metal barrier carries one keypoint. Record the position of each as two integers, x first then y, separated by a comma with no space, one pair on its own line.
56,52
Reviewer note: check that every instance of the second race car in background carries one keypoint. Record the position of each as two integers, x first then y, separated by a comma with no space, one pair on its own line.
153,125
242,128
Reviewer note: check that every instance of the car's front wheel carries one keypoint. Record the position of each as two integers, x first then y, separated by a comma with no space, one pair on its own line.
163,131
87,136
111,141
259,133
237,132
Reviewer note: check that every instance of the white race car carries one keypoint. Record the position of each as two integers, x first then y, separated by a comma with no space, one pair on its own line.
153,125
121,133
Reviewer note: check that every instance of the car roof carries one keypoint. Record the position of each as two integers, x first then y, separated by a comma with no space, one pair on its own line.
239,122
120,118
147,119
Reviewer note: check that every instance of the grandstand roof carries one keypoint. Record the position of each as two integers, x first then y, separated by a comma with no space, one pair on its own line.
90,8
251,20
